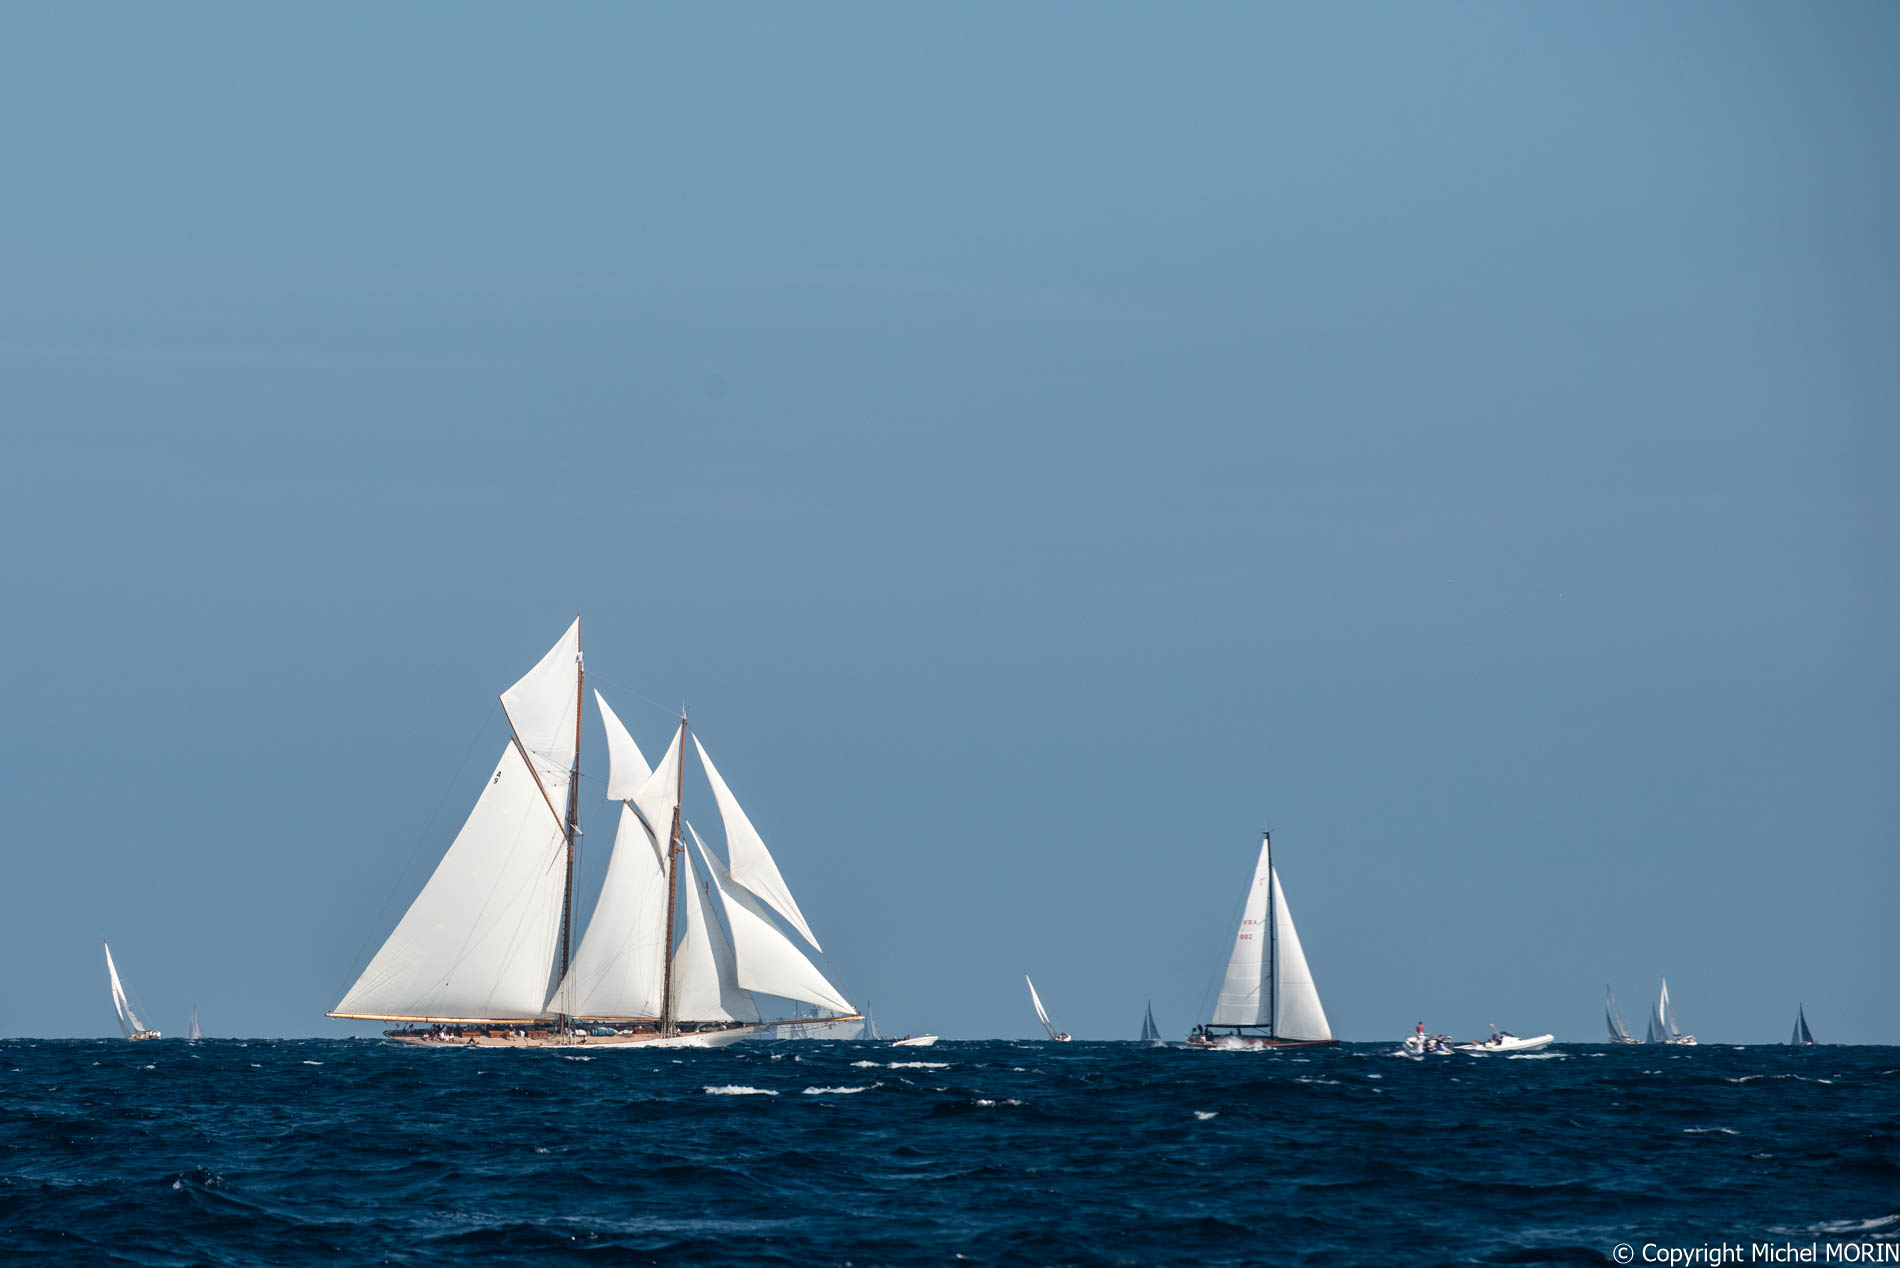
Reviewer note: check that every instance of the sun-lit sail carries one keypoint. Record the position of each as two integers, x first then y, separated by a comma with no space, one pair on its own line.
1268,984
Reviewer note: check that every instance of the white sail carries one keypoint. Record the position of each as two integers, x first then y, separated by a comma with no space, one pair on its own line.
1150,1033
479,942
618,967
1666,1015
191,1027
1619,1033
1242,1000
1042,1014
1300,1015
705,981
541,707
751,863
768,962
627,767
129,1023
658,796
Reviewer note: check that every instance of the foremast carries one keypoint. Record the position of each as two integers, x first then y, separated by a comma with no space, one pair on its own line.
1273,943
668,1024
572,827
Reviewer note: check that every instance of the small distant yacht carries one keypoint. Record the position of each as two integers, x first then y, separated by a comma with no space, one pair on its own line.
1149,1034
1803,1037
1619,1033
1662,1023
1268,999
192,1033
1042,1015
129,1023
1505,1041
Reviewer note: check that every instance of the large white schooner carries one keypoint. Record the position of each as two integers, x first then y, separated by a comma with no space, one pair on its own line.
1267,999
485,954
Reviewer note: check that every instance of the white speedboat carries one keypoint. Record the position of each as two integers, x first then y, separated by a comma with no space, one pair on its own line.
914,1041
1505,1041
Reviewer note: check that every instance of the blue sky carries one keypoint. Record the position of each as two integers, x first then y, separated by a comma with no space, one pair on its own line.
1043,447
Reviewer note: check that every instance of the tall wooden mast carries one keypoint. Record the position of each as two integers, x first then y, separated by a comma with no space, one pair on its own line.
667,1026
573,826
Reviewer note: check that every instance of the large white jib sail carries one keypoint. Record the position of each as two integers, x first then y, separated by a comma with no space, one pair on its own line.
1268,983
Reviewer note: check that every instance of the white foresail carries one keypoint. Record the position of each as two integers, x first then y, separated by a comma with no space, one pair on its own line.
627,766
751,862
705,982
658,796
1242,1000
617,969
541,706
1301,1016
479,941
1666,1016
1042,1014
767,961
129,1023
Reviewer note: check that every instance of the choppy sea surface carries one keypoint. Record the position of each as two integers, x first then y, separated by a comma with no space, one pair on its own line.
302,1152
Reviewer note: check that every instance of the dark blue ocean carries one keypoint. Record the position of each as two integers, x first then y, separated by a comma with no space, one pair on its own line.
319,1152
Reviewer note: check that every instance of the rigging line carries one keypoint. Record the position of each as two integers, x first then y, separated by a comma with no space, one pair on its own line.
381,919
597,676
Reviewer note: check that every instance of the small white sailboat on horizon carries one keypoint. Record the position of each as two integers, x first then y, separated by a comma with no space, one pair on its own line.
1150,1033
485,954
129,1024
1042,1015
1662,1023
1619,1033
1803,1037
192,1033
1268,999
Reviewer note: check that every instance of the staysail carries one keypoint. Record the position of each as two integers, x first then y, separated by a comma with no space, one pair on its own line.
627,767
705,979
767,961
617,970
750,862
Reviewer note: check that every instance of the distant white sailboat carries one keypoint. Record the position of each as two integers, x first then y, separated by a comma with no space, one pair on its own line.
1803,1037
192,1032
1619,1033
1042,1015
1268,998
1662,1022
1149,1034
129,1024
485,954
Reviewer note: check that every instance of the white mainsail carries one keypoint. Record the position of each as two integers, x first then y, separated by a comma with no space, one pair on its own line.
480,940
1274,990
705,979
191,1028
617,969
1042,1014
627,767
768,962
750,862
129,1023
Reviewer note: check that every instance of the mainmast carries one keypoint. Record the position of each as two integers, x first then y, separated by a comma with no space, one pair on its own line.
1273,947
672,888
573,825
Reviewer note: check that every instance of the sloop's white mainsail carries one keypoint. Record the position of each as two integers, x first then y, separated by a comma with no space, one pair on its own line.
481,942
129,1023
1268,982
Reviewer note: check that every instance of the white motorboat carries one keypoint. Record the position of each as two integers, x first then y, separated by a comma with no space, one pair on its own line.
1421,1044
914,1041
1505,1041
